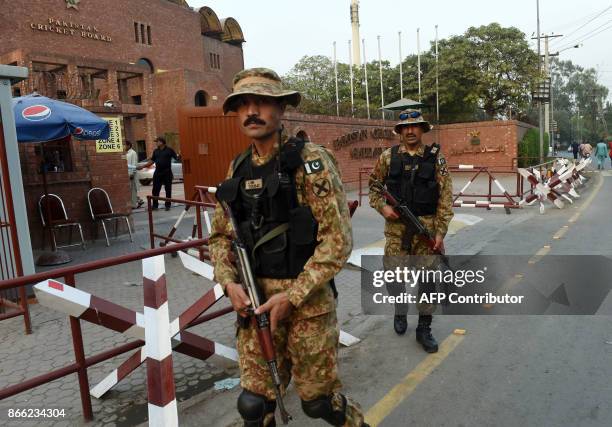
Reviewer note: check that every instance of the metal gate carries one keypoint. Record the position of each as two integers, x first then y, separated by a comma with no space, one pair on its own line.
209,142
13,301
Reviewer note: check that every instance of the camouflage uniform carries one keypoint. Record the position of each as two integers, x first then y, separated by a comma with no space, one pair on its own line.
307,342
394,229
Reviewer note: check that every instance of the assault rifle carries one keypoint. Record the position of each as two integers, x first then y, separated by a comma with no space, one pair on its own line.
260,321
411,220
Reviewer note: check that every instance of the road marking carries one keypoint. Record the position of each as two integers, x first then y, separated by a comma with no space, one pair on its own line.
561,232
588,201
539,255
401,391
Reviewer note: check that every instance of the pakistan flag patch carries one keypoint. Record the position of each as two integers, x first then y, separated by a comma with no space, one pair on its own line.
313,166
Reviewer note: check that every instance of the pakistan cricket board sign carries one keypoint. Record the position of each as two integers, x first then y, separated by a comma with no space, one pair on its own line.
114,142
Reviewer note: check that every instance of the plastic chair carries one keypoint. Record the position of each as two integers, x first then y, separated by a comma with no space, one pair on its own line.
53,216
102,211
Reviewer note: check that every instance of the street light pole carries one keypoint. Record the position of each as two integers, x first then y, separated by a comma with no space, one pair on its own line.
540,104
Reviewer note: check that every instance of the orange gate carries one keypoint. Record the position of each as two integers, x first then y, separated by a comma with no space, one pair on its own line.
209,142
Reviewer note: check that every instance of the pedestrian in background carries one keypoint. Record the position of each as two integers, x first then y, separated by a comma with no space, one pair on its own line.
575,148
586,150
132,162
601,152
162,157
610,153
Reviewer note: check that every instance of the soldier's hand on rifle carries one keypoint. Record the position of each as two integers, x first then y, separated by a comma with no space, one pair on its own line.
240,300
279,307
389,213
439,243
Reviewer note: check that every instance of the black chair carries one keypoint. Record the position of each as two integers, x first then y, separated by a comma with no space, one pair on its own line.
53,216
102,211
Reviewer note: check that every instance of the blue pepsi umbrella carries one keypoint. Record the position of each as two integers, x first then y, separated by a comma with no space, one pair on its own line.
39,119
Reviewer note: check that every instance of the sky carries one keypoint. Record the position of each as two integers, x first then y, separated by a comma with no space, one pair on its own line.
279,32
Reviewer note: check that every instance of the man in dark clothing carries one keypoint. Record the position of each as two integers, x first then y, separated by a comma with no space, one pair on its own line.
162,157
575,147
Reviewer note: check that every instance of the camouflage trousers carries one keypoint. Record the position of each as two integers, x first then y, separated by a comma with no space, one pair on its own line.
396,256
307,352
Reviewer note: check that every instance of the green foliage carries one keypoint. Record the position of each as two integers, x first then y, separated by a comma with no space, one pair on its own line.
579,102
529,148
483,74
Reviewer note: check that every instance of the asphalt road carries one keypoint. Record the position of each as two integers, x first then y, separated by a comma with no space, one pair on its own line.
506,370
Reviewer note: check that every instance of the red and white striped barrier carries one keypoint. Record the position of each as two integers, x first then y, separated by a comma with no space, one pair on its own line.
488,204
482,204
160,336
541,191
158,346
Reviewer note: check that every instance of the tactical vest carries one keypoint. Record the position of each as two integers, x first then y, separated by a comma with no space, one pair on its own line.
279,233
412,179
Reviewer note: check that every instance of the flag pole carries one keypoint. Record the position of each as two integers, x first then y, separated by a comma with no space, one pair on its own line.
382,88
365,71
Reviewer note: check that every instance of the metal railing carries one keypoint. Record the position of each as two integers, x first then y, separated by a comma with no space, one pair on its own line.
82,363
13,303
201,204
490,197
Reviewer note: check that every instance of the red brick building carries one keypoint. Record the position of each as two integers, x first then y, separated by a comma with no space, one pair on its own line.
136,60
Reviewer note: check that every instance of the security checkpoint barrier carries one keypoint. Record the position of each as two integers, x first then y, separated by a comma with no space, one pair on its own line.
156,337
83,306
552,180
511,201
560,182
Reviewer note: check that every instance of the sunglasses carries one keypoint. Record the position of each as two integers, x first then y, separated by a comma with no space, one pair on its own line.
411,115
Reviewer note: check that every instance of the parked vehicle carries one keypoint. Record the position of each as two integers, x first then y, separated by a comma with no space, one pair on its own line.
145,176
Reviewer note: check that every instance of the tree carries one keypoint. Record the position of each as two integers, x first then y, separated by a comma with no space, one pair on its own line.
579,102
489,67
484,73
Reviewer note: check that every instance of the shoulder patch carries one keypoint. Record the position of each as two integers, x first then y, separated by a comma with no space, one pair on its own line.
434,149
314,166
441,161
321,187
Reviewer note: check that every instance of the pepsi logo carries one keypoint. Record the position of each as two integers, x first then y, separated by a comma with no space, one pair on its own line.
78,131
36,113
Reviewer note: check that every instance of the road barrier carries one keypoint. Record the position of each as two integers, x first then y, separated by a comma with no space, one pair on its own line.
119,318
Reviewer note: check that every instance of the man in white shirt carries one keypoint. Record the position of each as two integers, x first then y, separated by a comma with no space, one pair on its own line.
132,161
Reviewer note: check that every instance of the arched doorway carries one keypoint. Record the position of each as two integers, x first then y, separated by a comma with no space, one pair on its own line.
303,135
200,99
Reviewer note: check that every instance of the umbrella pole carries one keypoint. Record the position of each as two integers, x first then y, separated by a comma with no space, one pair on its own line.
55,257
46,199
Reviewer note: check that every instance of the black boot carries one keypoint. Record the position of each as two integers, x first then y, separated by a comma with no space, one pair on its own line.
424,336
400,324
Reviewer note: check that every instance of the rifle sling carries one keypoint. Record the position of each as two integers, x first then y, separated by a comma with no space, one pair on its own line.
276,231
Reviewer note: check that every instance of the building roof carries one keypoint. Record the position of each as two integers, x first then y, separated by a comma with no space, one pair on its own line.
179,2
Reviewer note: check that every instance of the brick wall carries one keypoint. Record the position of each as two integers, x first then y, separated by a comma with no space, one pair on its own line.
497,148
90,169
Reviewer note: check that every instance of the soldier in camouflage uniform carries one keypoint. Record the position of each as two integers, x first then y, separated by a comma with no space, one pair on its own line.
299,297
415,174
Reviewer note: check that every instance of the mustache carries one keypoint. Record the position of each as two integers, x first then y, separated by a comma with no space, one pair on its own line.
254,120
